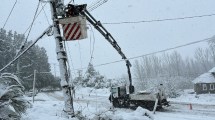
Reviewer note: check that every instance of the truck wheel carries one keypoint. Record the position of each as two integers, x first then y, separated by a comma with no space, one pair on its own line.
150,105
115,103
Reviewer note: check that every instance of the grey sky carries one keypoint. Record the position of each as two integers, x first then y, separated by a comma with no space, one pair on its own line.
134,39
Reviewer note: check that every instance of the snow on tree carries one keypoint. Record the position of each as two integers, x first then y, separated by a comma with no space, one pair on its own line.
79,79
171,70
10,45
211,42
93,78
12,102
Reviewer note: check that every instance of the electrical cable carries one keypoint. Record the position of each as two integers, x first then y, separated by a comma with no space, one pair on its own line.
35,14
9,14
100,2
68,64
144,55
70,56
93,4
36,17
45,14
161,20
24,51
96,5
79,46
30,27
90,43
92,52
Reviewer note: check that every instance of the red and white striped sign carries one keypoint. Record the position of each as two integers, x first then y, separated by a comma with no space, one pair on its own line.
72,31
74,28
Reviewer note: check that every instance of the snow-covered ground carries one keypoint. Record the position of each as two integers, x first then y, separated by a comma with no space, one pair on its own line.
94,103
189,97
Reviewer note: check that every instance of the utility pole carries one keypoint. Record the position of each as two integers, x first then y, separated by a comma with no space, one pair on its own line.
35,72
54,70
56,8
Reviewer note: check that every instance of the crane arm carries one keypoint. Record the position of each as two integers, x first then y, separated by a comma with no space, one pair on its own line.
98,26
76,10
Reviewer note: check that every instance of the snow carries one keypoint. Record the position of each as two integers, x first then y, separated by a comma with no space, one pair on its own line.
45,110
205,78
173,116
212,70
94,103
1,89
188,97
9,75
138,114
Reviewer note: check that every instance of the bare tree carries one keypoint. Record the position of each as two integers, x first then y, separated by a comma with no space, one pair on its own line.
139,74
202,56
147,67
176,63
156,65
166,64
212,53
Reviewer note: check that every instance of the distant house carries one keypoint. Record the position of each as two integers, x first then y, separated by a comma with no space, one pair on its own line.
205,83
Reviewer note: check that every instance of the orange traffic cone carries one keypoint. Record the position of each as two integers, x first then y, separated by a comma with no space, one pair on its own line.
191,106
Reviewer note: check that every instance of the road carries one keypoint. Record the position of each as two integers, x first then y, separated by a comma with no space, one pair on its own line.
177,110
193,109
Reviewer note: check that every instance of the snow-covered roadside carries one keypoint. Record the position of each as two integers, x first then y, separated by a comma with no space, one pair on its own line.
91,102
188,97
94,103
45,110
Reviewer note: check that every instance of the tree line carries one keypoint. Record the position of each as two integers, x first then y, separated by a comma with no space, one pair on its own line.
172,70
34,59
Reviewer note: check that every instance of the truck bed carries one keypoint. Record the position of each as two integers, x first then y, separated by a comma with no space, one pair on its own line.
146,97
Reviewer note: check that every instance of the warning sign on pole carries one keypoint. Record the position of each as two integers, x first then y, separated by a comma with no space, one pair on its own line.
74,28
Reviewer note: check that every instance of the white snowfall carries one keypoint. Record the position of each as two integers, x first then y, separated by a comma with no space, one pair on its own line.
94,102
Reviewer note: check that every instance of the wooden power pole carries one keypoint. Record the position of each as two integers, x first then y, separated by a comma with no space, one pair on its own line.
62,58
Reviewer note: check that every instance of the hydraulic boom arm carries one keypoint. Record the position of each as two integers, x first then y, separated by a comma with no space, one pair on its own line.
73,10
109,38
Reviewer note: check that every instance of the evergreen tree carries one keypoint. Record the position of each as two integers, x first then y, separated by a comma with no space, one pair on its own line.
93,78
34,59
79,79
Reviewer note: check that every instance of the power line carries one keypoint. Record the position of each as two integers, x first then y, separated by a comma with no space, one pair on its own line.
66,46
92,51
30,27
68,63
36,17
96,4
24,51
45,14
9,14
79,47
161,20
35,14
144,55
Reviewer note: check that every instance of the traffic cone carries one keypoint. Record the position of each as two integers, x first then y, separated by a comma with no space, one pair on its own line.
191,106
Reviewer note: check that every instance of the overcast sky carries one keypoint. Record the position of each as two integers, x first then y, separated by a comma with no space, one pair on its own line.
134,39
